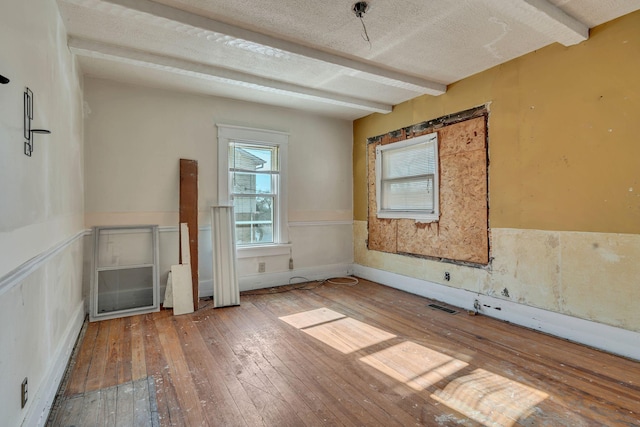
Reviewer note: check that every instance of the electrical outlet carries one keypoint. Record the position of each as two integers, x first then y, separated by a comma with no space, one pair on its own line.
24,392
447,276
262,267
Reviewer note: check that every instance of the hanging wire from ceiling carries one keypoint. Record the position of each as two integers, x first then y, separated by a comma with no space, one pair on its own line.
359,9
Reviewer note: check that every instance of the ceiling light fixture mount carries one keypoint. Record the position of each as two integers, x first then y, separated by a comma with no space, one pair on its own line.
360,8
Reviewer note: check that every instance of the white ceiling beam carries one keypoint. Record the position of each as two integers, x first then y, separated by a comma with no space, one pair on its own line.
548,19
121,54
382,75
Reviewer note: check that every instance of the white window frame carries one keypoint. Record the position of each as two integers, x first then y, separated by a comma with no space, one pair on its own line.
418,215
259,137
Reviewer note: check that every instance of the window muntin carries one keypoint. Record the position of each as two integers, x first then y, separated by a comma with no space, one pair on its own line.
407,179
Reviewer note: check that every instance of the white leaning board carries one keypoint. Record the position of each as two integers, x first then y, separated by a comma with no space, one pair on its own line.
185,249
182,290
168,293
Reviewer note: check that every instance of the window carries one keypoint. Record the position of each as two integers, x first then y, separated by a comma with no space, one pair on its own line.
407,179
254,176
252,165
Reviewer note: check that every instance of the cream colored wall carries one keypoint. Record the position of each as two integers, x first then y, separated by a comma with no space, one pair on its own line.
135,137
41,207
564,189
592,276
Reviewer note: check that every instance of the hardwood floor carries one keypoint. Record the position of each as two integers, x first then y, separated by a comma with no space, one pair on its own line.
364,355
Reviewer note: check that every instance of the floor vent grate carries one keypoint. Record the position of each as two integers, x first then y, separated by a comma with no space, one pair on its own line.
441,308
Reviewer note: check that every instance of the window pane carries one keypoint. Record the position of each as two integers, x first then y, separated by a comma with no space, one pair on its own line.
251,183
124,289
413,160
408,194
253,158
125,247
254,219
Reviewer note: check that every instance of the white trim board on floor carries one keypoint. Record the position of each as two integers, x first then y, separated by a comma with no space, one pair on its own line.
609,338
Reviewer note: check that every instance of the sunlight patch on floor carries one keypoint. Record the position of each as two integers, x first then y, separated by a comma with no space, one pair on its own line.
348,335
336,330
414,365
485,397
489,398
312,317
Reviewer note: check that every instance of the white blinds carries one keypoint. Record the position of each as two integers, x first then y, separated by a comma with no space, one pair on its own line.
407,177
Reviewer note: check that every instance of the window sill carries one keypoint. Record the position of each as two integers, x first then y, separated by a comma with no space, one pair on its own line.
263,250
409,215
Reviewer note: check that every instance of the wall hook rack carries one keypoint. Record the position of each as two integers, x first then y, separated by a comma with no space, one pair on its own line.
28,117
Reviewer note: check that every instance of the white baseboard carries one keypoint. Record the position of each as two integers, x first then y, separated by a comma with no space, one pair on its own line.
609,338
43,398
205,288
267,280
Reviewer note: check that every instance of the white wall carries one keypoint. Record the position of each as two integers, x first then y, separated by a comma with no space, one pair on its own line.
41,209
136,135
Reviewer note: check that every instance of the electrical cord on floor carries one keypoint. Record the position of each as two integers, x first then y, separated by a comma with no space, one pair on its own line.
351,281
306,285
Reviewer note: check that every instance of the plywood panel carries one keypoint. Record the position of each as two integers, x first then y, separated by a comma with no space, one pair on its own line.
462,231
382,232
462,137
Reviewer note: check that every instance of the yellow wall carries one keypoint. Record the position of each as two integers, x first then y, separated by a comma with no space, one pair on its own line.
564,134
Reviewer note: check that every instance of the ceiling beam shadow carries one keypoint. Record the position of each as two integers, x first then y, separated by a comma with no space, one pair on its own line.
89,48
546,18
151,10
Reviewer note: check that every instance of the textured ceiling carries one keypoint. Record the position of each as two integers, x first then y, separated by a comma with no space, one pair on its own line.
313,55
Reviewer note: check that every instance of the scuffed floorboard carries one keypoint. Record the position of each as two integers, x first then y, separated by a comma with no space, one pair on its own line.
129,404
336,355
